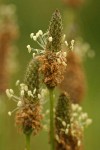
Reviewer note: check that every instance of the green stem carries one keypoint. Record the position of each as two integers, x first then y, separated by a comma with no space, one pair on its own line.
51,119
28,141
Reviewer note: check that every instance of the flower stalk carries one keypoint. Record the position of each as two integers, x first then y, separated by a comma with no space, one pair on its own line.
28,137
51,97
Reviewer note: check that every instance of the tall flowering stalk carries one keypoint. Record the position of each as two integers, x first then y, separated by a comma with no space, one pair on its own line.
53,65
28,115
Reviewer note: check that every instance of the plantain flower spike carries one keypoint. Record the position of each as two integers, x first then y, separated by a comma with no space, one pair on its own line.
55,33
29,116
64,138
70,122
54,58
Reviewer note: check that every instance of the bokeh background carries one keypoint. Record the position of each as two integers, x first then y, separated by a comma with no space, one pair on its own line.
32,16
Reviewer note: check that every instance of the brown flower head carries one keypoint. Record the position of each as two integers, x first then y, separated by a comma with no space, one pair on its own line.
74,78
74,3
53,68
8,33
28,118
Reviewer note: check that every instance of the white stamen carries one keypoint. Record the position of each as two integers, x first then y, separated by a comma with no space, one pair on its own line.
59,61
8,93
40,32
39,96
37,34
34,91
19,104
72,42
66,131
64,54
31,35
29,48
79,109
26,88
22,93
64,123
50,39
64,63
34,38
79,143
75,114
9,113
88,122
72,45
22,85
11,91
84,116
29,93
17,82
66,43
58,53
57,138
33,55
74,107
64,36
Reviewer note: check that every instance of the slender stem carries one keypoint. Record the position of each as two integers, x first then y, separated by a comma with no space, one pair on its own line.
28,141
51,119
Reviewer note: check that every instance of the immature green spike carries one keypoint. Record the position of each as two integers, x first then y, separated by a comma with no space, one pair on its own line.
55,31
63,111
32,78
29,117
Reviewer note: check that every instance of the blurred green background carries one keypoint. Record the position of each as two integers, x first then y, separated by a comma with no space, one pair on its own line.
32,16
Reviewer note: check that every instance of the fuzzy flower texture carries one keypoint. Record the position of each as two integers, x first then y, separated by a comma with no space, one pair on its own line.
47,68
